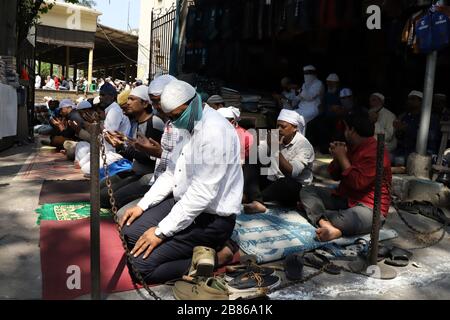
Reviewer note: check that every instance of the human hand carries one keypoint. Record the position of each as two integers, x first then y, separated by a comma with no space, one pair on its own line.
148,145
146,243
130,215
75,126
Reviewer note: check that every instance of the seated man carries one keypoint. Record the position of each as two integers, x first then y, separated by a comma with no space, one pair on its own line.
383,120
205,178
348,211
127,185
291,168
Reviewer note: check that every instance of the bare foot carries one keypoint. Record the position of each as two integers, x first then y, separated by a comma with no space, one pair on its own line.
327,232
77,165
254,207
224,256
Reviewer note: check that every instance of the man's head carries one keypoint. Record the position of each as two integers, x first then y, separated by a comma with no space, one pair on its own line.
376,101
177,103
333,83
122,99
346,97
232,114
108,95
156,88
216,102
138,101
53,104
414,103
289,123
65,107
358,126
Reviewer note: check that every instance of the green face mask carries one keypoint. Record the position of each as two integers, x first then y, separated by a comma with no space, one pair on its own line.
192,114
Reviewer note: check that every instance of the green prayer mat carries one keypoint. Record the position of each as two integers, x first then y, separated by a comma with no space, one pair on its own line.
68,211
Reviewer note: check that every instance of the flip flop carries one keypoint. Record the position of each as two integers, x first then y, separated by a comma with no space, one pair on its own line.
398,257
293,267
318,261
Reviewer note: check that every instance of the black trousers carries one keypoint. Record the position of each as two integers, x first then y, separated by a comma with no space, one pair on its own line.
259,188
172,259
127,187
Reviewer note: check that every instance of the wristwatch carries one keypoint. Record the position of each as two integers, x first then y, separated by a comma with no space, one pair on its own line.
159,234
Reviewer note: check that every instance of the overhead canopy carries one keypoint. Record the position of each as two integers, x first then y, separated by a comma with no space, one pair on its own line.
106,41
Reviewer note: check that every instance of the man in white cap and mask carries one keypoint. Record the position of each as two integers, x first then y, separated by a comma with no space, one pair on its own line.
128,186
383,119
311,94
205,178
291,168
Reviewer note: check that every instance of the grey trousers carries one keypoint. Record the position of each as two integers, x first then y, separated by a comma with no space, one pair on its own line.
320,203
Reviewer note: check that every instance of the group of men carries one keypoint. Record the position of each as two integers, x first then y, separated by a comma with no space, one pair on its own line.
193,168
324,107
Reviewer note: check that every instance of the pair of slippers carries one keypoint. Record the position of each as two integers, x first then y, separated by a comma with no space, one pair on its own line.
394,256
294,263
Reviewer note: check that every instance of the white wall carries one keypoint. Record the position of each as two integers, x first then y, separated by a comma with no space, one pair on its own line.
144,32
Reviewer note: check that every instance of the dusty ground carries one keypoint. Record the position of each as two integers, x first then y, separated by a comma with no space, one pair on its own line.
20,276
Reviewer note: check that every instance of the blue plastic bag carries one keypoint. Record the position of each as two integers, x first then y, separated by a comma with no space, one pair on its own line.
116,167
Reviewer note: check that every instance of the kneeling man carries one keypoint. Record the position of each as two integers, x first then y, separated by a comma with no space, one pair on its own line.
196,200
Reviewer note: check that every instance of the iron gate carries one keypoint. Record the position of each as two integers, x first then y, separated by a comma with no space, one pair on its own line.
163,24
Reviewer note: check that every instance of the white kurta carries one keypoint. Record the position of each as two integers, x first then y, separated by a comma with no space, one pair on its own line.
310,100
204,175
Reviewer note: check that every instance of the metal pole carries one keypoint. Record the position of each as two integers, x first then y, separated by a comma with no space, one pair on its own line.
150,68
95,212
375,235
422,137
173,66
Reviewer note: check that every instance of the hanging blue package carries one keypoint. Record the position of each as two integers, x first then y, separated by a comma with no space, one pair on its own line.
433,32
441,30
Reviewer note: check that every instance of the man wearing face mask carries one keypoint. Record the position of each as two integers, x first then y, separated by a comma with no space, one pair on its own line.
348,211
204,177
311,94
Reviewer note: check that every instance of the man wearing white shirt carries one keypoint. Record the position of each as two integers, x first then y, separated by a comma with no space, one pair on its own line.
196,200
49,84
311,94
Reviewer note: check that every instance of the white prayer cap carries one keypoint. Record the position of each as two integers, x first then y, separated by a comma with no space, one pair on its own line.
415,93
230,113
333,77
66,103
175,94
158,84
140,92
84,105
96,100
47,99
309,68
293,118
379,96
346,92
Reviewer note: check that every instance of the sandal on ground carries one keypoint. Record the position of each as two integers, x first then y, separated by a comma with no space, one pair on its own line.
318,261
398,257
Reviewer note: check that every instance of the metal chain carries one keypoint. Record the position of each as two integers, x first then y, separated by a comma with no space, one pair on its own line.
112,201
301,281
422,235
